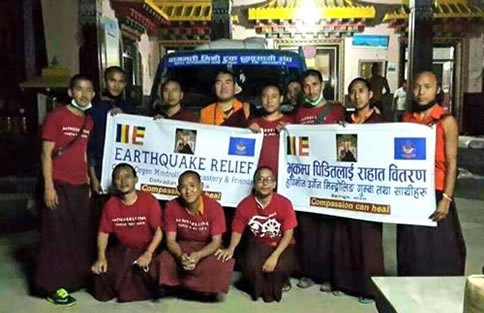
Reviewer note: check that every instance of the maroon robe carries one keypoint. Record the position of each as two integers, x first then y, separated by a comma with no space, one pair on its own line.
358,252
315,232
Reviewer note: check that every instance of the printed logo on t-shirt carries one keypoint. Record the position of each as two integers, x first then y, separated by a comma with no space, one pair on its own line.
73,131
129,221
191,225
269,132
265,226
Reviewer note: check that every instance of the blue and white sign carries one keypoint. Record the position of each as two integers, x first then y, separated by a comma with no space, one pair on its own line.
370,41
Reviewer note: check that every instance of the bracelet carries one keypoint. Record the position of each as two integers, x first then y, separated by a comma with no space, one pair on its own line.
446,196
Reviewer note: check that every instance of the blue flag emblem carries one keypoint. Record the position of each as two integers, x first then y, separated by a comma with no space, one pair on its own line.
410,149
241,146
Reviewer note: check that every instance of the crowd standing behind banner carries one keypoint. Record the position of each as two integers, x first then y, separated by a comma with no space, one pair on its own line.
194,223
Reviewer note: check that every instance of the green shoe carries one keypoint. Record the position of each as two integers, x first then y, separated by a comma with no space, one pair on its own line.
61,297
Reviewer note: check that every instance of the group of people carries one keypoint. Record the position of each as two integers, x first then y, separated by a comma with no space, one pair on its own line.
338,254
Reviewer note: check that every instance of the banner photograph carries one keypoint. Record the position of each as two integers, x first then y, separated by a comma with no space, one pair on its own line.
160,150
374,172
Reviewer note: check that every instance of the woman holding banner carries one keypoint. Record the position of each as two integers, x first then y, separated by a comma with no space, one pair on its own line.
358,252
434,251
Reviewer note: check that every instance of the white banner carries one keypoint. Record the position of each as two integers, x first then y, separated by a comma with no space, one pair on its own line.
374,172
160,150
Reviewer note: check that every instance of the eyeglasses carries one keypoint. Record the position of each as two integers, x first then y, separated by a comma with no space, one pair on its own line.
268,180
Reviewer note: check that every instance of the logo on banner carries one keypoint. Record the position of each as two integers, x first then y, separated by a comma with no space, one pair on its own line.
410,149
298,146
130,134
241,146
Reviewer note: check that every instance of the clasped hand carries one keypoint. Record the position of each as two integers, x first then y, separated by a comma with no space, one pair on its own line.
189,262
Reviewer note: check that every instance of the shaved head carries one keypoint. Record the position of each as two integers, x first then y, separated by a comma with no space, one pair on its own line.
425,88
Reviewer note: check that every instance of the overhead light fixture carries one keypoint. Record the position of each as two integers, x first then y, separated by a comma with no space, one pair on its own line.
307,16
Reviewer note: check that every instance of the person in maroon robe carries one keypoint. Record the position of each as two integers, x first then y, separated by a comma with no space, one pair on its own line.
440,250
128,269
315,231
64,252
269,258
171,93
270,124
194,225
356,260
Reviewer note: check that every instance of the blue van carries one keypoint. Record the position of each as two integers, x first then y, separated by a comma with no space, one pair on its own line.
253,68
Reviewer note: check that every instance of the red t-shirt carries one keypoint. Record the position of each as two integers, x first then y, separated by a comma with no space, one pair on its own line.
61,126
133,225
269,155
308,115
199,227
183,115
267,224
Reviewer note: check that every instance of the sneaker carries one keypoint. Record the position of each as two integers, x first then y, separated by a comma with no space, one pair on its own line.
62,297
287,286
305,282
326,287
364,300
337,293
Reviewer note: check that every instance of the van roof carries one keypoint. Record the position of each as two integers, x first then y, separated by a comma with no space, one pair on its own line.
222,44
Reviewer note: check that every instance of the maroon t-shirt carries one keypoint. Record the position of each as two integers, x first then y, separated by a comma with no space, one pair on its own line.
189,227
308,115
61,126
183,115
266,224
133,225
269,155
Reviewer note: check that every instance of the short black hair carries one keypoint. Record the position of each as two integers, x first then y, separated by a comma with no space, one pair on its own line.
111,70
78,77
124,165
189,173
170,80
359,79
259,169
224,71
314,73
271,85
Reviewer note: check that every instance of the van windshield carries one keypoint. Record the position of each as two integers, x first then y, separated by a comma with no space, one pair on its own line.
196,71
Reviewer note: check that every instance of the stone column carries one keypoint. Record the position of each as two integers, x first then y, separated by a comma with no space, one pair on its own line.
420,33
